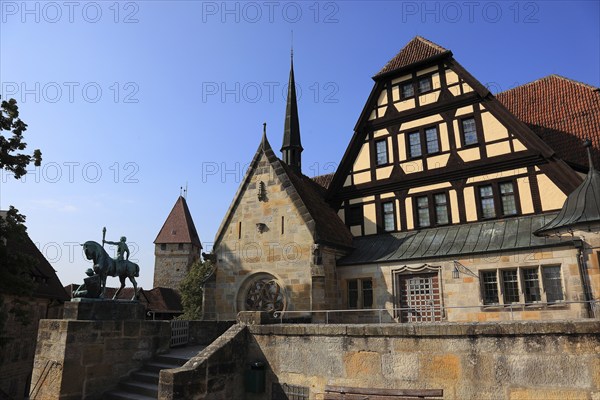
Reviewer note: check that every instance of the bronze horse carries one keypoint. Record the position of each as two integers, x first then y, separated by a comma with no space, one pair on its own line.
105,266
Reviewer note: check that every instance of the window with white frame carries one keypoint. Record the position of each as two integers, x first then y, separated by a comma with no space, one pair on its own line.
360,293
528,285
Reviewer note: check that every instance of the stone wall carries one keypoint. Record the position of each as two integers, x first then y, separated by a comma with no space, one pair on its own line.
461,297
514,360
172,264
82,359
284,252
206,332
215,373
17,342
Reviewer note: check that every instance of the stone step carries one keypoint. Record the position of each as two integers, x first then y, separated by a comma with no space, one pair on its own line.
143,388
143,384
145,376
171,359
123,395
154,366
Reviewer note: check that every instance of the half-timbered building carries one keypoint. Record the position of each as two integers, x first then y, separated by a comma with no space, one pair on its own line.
432,211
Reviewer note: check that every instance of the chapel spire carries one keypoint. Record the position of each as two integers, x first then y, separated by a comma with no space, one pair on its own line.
291,149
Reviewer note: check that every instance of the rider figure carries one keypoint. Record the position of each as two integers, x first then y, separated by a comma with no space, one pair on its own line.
121,248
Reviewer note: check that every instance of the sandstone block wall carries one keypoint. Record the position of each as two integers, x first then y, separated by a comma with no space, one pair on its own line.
462,297
82,359
215,373
514,360
284,252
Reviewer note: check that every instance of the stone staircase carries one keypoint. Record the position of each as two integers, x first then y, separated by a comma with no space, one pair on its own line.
143,384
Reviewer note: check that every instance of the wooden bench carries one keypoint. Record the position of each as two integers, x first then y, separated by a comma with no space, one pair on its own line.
354,393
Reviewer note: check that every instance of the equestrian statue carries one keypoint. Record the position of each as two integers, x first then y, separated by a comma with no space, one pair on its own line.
105,266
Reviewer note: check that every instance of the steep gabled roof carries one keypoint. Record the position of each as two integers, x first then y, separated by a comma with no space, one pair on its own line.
323,222
330,228
416,51
563,112
179,226
323,180
47,284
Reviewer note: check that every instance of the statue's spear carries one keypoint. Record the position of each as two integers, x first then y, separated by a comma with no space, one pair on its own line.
103,235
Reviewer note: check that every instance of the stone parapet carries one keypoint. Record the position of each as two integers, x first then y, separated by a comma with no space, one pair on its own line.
83,359
103,310
215,373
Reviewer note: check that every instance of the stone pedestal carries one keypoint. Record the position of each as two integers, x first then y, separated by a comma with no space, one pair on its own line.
98,343
104,310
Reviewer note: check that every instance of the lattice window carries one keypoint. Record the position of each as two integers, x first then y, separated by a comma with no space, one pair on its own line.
431,137
414,142
489,280
389,216
507,194
531,285
486,195
469,131
510,286
552,283
382,152
423,211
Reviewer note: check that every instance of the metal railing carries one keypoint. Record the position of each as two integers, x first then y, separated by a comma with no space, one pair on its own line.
180,332
435,313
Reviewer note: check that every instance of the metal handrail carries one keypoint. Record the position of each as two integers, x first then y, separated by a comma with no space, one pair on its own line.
432,308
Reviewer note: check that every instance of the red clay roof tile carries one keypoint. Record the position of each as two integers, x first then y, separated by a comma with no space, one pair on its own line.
563,112
417,50
179,226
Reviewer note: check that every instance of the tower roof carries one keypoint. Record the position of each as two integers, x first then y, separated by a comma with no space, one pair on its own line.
417,50
291,130
179,226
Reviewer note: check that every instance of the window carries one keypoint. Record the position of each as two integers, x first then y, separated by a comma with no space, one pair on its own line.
389,216
486,195
425,141
407,90
522,285
180,246
438,213
424,84
531,285
414,144
507,194
163,246
441,209
498,199
469,131
423,211
431,136
381,151
489,281
510,286
360,293
354,215
552,284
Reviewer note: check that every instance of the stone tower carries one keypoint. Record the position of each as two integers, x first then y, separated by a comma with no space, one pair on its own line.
176,247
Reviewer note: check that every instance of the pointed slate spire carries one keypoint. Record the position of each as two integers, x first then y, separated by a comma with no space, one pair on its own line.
291,149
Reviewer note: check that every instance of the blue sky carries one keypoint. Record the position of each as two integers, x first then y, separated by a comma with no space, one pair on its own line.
129,101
